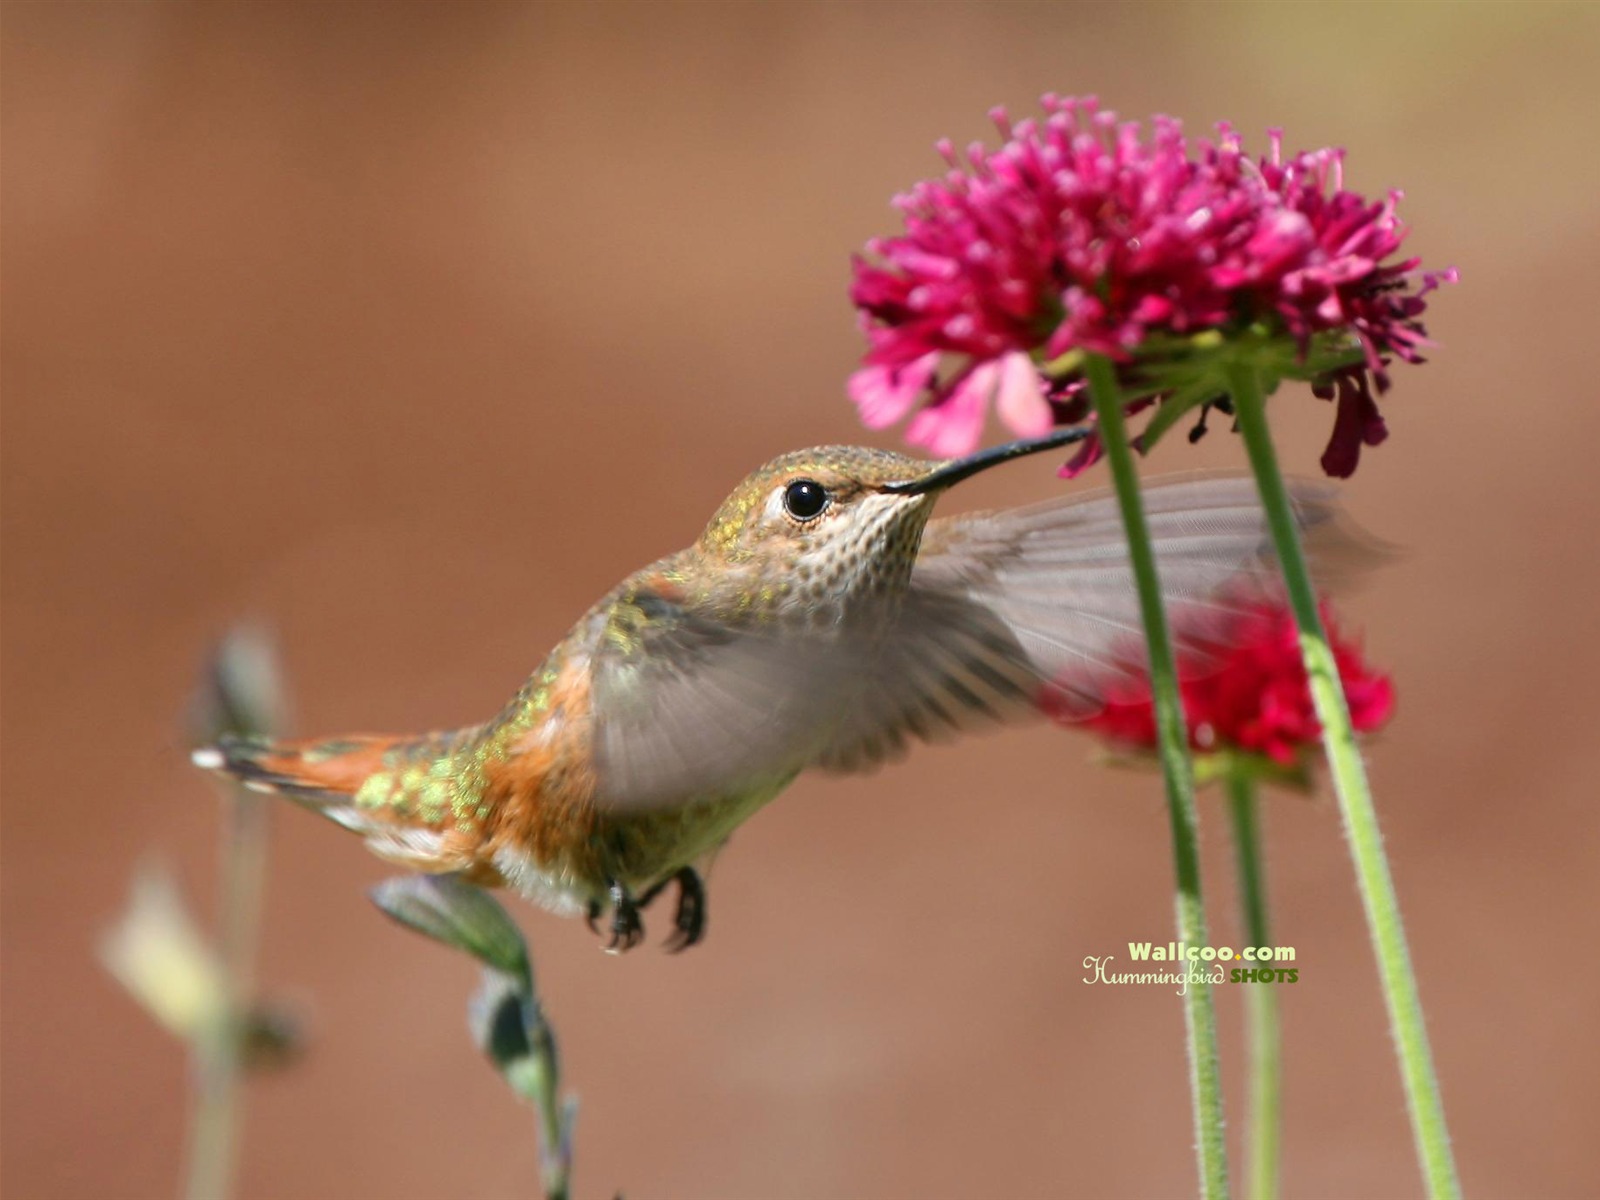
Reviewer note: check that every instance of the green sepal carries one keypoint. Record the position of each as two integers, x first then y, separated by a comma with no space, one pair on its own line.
1187,372
1173,409
1070,363
1211,766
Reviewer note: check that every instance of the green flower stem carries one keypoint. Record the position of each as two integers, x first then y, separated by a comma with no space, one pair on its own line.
213,1126
1355,799
1266,1117
542,1085
534,1073
1200,1018
505,1015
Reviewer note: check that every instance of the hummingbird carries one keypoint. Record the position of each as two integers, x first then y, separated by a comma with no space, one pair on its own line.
824,620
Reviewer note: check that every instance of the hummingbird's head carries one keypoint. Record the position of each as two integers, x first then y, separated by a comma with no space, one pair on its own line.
837,523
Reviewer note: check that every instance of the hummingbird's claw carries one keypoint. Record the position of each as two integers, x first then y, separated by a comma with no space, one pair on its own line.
690,918
626,928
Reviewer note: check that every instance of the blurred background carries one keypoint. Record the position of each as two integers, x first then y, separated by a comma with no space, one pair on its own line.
410,328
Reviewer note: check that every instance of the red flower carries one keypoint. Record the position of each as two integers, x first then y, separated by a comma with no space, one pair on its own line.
1246,690
1082,234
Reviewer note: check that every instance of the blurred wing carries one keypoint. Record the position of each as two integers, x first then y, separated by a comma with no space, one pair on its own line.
687,708
1011,610
951,665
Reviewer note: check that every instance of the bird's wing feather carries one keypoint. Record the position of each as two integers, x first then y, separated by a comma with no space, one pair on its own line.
1010,610
689,708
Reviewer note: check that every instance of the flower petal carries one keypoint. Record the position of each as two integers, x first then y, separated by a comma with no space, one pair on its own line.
1019,398
884,394
954,426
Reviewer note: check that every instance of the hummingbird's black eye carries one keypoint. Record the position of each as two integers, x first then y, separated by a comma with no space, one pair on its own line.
804,499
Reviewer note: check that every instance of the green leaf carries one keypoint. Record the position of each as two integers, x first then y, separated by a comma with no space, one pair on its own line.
448,909
159,955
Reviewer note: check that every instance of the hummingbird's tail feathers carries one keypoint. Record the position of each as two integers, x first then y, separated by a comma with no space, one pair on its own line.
315,772
397,792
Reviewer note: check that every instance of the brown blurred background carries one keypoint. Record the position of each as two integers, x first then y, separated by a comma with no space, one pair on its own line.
410,328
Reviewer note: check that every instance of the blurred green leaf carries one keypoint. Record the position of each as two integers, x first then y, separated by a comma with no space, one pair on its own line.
241,688
448,909
159,955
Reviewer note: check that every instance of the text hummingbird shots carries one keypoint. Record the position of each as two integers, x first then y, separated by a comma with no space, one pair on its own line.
1180,964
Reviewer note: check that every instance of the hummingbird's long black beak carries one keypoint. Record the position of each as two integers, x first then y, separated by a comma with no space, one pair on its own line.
957,469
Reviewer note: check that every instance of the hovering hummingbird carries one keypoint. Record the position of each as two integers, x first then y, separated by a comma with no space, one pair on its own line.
822,621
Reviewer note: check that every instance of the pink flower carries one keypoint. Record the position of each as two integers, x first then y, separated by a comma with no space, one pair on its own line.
885,394
1246,691
1082,234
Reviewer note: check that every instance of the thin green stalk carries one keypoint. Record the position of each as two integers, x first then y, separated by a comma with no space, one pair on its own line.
213,1126
1355,800
1266,1072
543,1087
1200,1020
505,1015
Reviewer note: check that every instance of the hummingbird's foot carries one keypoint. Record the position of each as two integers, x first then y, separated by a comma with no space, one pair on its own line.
626,928
690,919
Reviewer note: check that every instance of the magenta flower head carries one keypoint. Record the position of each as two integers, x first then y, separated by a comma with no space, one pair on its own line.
1246,699
1080,235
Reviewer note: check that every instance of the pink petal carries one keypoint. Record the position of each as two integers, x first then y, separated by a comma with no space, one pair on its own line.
954,427
1019,398
885,394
